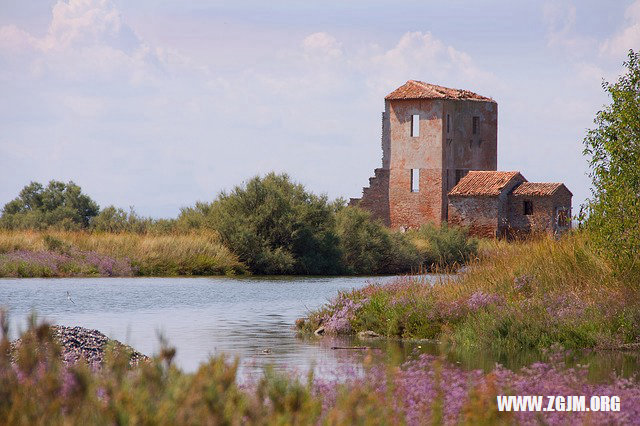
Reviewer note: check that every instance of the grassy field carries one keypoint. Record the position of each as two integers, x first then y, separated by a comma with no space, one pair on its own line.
515,296
36,254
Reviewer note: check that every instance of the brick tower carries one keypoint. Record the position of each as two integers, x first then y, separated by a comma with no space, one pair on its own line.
432,136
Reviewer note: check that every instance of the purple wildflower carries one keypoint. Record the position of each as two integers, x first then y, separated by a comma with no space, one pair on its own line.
339,321
479,300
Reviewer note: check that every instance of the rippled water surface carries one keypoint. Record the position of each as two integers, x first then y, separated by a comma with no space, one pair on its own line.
247,317
199,316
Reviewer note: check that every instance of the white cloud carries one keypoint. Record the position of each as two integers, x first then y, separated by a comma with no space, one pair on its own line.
421,56
14,40
628,37
560,18
87,40
323,44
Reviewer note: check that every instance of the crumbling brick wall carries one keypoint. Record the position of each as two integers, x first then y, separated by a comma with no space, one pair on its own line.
375,197
409,209
477,213
544,217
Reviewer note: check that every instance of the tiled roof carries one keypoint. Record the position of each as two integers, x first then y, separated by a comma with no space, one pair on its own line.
484,183
538,188
414,89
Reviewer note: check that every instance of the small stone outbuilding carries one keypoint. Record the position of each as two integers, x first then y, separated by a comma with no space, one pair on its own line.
505,204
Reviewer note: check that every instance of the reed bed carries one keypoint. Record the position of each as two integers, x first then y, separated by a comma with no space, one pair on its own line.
65,253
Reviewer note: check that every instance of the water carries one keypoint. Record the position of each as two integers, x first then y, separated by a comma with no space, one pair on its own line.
247,317
251,318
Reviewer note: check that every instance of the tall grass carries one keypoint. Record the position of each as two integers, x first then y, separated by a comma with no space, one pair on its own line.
444,246
528,294
159,255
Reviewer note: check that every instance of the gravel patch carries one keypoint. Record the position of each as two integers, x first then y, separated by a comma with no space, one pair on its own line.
90,345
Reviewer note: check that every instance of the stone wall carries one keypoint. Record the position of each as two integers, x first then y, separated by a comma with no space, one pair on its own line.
462,149
479,214
504,220
544,217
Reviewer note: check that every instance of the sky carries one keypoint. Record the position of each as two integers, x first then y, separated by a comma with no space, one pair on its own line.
157,104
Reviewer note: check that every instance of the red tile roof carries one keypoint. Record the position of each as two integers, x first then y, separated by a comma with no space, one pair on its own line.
538,188
414,89
484,183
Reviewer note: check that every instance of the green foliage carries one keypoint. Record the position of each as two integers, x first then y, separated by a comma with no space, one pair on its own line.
60,205
115,220
614,151
445,246
193,217
370,248
275,227
271,225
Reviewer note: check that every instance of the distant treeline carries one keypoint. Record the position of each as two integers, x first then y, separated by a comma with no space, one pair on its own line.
271,224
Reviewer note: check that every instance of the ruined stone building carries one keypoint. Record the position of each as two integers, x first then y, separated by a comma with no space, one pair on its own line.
439,161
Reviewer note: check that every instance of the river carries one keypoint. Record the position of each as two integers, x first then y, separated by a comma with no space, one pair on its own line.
251,318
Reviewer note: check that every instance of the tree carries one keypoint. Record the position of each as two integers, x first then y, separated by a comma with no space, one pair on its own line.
59,204
613,212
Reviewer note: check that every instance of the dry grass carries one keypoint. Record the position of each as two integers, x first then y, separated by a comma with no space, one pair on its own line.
198,253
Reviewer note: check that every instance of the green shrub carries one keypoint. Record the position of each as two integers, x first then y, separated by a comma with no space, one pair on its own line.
275,227
522,295
369,248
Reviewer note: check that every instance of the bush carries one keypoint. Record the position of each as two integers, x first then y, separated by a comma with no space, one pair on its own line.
275,227
370,248
112,219
525,295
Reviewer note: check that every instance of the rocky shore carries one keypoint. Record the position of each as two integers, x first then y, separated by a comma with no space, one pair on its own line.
90,345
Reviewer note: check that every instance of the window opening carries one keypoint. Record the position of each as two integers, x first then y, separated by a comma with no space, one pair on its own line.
415,180
476,124
528,208
415,125
563,217
448,123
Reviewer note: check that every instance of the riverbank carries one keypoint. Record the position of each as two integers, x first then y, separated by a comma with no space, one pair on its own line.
522,295
39,386
362,247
